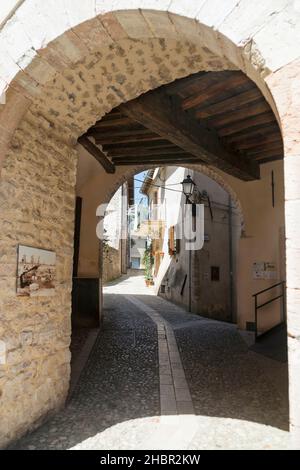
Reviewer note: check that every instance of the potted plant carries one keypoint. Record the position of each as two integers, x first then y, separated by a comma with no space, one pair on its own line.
149,280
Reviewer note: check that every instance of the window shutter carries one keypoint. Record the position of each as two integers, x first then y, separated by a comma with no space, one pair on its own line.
172,246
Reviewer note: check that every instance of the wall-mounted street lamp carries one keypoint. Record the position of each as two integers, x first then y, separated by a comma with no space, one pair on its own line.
188,187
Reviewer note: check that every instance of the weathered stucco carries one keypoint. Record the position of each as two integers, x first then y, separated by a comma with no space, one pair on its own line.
61,73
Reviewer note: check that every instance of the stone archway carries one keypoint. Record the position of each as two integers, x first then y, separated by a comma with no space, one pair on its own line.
54,95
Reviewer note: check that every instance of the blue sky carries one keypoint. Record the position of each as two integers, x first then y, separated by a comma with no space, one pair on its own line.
137,185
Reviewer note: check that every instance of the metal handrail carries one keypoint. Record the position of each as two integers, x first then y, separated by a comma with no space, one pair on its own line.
269,288
258,306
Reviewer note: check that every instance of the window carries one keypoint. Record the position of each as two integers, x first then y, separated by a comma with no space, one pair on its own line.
155,206
135,263
215,273
172,241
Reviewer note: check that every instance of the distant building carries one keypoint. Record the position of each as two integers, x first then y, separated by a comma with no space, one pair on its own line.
115,243
138,214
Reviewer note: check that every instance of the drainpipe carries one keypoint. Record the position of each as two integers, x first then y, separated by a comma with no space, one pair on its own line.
230,252
190,281
124,234
189,273
190,260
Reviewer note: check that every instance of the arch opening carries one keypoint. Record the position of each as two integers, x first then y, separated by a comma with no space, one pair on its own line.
42,151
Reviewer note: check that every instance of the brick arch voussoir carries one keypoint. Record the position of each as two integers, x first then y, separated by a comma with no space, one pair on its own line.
30,87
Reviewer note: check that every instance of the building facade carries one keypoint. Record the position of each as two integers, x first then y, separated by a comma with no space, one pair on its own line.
202,280
137,241
115,240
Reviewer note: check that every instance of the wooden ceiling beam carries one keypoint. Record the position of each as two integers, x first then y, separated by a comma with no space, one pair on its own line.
214,90
254,109
269,159
163,115
116,122
137,145
230,104
128,138
268,153
247,123
183,83
277,146
252,142
181,155
197,83
125,138
258,131
158,162
246,130
97,154
144,152
133,128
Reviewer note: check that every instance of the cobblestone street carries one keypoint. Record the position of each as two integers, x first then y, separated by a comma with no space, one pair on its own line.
158,377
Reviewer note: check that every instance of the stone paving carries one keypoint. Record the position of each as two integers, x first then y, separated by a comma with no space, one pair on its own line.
82,343
225,378
78,338
160,378
119,383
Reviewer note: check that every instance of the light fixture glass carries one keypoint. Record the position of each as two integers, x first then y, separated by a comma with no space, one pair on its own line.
188,186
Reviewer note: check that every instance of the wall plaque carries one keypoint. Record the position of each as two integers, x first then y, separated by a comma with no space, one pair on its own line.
36,272
264,270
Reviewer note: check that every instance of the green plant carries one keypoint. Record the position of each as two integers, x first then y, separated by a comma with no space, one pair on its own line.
106,248
148,263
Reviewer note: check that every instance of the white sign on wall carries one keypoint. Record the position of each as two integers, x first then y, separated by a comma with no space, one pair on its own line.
264,270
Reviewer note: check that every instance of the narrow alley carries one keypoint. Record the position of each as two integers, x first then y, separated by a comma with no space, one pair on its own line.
159,377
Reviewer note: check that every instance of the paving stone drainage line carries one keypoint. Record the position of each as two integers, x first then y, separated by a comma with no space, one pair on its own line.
176,406
81,360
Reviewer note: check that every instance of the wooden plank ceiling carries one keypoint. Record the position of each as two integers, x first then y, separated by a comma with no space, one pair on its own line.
217,118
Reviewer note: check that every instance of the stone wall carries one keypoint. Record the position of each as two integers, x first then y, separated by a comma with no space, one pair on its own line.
286,87
111,268
36,209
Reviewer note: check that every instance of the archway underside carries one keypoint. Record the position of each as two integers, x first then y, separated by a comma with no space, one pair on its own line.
216,118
